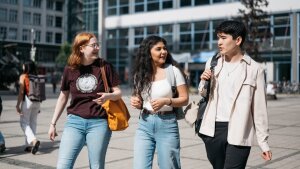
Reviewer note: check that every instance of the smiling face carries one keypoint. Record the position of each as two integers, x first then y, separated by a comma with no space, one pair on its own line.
90,51
159,54
227,45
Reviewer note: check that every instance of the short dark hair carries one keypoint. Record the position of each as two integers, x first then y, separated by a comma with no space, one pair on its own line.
233,28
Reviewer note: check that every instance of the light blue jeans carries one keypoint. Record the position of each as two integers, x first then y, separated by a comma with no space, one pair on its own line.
157,132
79,132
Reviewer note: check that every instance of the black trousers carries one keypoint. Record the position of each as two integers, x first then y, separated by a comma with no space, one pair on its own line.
221,154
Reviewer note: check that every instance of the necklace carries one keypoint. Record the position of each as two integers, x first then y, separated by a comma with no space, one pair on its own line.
228,65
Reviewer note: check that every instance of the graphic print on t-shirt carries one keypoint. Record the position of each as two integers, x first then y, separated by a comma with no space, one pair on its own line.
86,83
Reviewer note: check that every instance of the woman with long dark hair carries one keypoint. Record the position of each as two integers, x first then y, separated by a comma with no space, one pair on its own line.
29,109
152,93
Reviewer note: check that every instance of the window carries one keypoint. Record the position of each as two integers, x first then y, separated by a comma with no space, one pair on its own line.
282,31
201,2
58,6
3,14
124,7
26,18
117,50
185,43
152,5
12,33
138,35
58,37
13,16
27,3
218,1
49,20
201,35
49,37
167,33
38,36
139,5
15,2
112,7
26,35
50,4
186,3
58,22
36,19
167,4
152,30
117,7
3,32
37,3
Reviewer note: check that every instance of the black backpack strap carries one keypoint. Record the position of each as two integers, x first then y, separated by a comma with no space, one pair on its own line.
213,64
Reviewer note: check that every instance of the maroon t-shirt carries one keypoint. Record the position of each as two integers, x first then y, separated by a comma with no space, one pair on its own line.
84,84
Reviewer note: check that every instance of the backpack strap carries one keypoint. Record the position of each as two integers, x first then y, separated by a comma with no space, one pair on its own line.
213,63
170,75
171,78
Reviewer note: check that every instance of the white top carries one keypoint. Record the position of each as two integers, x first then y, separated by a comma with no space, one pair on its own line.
162,89
226,78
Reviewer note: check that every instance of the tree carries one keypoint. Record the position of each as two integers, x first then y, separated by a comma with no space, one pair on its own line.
64,53
9,70
257,24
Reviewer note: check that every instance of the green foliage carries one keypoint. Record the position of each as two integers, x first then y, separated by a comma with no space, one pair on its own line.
257,24
9,71
64,53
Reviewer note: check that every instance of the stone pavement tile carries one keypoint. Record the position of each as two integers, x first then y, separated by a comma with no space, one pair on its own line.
285,141
290,162
119,158
287,131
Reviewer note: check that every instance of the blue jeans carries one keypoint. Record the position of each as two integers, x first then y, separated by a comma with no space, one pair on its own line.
1,139
79,132
160,132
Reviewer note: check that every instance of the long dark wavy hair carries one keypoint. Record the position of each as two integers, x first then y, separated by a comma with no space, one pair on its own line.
143,72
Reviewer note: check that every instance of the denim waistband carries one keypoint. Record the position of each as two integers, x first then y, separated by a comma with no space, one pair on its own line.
158,113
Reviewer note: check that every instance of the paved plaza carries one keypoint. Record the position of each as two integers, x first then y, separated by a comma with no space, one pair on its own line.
284,119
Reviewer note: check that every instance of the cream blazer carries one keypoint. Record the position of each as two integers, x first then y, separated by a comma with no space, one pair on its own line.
248,116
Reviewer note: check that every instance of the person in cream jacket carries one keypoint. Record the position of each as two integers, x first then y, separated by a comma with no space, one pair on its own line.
237,110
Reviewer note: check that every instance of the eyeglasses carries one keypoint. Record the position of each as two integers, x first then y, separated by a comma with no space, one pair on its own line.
94,45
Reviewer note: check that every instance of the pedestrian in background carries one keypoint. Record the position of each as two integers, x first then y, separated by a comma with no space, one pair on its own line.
237,108
54,81
2,141
158,127
86,120
27,109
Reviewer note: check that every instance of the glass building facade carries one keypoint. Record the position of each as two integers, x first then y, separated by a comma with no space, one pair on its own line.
128,22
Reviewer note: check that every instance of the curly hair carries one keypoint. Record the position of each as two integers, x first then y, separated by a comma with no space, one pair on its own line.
143,72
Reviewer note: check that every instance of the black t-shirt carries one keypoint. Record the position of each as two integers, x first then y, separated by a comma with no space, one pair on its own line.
84,84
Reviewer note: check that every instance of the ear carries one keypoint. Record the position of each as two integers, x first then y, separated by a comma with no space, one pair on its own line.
81,49
238,41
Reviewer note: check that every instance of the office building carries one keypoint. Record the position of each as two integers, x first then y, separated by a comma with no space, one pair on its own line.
33,23
188,26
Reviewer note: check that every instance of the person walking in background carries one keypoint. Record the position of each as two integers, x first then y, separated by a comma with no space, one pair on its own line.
27,109
86,120
158,127
54,81
237,107
2,141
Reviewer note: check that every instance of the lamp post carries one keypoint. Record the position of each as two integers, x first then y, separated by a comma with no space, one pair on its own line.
33,49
